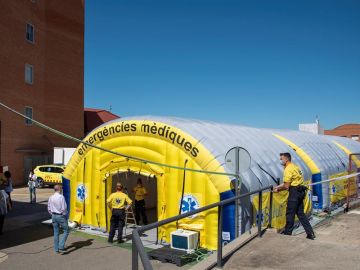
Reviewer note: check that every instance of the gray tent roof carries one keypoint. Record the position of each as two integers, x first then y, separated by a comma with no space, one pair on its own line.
263,147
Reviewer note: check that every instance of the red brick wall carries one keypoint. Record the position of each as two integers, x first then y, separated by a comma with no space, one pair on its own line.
57,94
347,130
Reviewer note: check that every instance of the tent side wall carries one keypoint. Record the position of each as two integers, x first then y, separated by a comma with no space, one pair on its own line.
204,144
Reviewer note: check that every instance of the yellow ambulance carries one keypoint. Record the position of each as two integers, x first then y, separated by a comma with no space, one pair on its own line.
49,175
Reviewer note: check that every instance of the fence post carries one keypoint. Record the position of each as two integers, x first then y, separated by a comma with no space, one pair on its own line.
135,255
219,251
260,214
271,207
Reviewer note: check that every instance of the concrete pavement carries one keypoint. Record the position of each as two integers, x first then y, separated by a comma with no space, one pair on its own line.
28,244
337,246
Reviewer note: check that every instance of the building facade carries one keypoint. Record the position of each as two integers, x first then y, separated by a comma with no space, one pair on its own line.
351,131
96,117
314,128
42,76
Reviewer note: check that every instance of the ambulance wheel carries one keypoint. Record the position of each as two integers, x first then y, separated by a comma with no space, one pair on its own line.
40,183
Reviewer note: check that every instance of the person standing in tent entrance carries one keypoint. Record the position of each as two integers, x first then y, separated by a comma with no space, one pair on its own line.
140,193
293,182
118,202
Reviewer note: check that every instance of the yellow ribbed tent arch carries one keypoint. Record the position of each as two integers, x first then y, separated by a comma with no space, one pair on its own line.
89,169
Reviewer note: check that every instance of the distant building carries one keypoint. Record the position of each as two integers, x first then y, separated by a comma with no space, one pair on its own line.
351,131
314,128
96,117
42,76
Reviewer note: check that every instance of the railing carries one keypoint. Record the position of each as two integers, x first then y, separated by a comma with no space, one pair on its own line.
349,183
138,248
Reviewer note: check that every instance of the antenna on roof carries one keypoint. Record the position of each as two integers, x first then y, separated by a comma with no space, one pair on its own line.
317,119
110,108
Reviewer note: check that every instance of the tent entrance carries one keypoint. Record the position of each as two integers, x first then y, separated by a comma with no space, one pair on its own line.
129,181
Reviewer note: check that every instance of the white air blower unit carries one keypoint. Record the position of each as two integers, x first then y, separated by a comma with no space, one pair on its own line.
184,240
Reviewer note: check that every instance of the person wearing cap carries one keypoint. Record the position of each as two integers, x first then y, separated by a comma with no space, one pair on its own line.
118,202
57,208
140,193
293,182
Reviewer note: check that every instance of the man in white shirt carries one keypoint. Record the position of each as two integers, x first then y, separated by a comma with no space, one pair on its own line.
58,210
4,206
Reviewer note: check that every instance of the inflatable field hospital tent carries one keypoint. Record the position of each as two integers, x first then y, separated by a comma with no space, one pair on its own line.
91,174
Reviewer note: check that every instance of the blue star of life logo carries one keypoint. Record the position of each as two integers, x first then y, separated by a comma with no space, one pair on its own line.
118,201
189,203
333,189
81,192
264,217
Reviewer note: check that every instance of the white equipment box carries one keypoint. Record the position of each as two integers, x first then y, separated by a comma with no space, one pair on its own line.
184,240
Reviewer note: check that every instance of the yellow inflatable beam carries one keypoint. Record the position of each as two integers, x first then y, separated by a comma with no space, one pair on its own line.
302,154
348,152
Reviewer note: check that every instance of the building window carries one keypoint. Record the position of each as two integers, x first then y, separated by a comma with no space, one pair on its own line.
28,113
355,137
30,33
29,74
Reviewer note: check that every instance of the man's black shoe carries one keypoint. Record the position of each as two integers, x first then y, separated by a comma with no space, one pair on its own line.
311,236
121,241
110,241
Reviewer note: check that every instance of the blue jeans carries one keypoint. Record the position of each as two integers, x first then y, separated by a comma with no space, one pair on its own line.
60,221
32,191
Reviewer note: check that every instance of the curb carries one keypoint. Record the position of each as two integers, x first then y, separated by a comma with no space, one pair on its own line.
3,257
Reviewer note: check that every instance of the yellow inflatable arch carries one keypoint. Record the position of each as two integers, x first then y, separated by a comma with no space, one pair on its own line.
91,173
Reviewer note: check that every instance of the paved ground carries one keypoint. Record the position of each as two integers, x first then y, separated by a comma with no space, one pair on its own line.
28,244
337,246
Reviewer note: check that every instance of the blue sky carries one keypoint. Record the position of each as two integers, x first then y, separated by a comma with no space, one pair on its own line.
258,63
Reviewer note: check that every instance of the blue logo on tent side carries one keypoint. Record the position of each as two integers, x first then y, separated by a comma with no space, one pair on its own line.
189,203
81,192
264,216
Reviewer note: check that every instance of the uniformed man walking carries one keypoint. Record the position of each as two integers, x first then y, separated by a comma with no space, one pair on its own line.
140,193
293,182
118,202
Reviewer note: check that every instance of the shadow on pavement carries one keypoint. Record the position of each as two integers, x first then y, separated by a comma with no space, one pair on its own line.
25,208
23,224
77,245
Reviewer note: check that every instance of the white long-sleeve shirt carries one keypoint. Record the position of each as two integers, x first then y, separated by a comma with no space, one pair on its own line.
57,204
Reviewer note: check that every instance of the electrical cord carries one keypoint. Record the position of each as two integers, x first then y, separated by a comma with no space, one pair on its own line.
69,137
182,193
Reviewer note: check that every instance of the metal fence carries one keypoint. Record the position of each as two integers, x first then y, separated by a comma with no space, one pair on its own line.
139,250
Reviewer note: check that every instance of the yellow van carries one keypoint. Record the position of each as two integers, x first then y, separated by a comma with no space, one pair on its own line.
49,175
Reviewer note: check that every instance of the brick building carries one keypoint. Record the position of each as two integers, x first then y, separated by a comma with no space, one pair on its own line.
351,131
96,117
42,76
